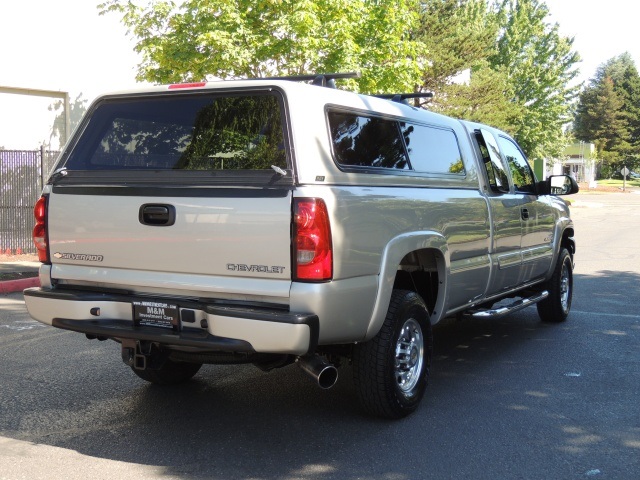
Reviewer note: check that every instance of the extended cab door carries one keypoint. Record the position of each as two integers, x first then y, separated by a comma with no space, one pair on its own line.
505,209
523,223
537,219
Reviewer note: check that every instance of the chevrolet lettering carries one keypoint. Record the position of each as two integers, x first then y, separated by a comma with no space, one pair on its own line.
240,267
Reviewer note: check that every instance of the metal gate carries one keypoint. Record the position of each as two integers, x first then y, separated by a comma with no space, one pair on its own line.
21,178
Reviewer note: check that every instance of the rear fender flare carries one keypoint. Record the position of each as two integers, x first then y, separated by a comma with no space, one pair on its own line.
392,255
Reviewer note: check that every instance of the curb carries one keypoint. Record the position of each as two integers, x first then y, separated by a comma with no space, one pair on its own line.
11,286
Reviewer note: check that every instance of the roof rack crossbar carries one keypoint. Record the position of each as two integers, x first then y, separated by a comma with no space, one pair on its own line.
321,80
402,97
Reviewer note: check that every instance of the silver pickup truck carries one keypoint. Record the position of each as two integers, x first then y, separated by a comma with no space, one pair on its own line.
275,222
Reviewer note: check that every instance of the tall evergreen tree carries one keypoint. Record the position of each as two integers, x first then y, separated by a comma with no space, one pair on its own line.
608,113
614,68
630,94
485,99
457,35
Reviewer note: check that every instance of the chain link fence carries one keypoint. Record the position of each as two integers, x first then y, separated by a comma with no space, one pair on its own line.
22,175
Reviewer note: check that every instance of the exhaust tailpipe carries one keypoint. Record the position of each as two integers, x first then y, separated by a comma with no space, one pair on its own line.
325,374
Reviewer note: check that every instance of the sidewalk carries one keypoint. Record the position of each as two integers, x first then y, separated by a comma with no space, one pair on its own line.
15,276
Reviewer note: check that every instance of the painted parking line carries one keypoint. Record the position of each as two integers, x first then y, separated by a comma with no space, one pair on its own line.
602,314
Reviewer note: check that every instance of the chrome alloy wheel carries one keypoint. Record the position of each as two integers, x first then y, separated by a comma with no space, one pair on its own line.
409,356
565,287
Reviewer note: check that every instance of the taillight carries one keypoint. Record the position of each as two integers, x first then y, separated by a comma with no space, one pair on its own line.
312,250
40,230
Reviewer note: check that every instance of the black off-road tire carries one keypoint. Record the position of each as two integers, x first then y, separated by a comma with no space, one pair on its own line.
391,371
555,308
170,373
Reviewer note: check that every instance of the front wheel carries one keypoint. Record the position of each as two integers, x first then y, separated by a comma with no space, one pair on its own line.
391,371
555,308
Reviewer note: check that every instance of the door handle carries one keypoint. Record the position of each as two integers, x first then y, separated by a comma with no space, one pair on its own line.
525,213
157,215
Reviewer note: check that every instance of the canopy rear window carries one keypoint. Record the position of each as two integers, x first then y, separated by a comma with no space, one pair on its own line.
203,132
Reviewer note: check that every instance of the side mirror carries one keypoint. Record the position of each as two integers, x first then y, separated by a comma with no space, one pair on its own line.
559,185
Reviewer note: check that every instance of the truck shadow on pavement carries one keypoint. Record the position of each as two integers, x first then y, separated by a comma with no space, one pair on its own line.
505,392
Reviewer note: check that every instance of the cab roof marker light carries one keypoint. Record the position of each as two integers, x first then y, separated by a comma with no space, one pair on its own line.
177,86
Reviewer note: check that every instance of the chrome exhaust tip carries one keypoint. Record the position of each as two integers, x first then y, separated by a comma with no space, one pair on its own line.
324,373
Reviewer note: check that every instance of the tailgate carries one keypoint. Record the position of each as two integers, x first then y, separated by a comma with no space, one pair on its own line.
243,235
185,190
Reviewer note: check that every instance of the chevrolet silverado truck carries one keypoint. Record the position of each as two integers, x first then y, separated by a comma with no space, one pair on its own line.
273,222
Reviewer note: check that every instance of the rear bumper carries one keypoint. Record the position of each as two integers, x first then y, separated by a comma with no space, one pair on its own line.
203,326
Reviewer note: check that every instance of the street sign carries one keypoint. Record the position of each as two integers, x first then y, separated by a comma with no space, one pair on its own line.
625,171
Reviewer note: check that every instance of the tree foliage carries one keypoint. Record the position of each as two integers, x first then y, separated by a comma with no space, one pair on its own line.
599,118
202,40
457,35
608,113
630,93
521,68
540,65
485,99
520,65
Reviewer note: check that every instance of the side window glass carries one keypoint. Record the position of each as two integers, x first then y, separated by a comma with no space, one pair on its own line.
523,178
432,150
496,173
360,141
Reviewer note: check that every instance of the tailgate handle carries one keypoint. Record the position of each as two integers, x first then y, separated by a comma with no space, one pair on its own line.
157,215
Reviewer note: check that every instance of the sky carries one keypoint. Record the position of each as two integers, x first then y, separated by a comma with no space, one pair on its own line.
64,45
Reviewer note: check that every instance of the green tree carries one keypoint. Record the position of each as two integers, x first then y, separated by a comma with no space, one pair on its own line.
614,68
485,99
608,112
539,65
202,40
630,93
520,68
599,119
457,35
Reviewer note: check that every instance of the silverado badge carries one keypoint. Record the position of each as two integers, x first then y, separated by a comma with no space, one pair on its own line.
82,257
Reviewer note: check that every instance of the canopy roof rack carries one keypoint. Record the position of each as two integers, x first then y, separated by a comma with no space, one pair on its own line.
320,79
402,97
328,80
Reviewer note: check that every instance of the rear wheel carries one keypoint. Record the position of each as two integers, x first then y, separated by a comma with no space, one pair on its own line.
391,371
555,308
169,373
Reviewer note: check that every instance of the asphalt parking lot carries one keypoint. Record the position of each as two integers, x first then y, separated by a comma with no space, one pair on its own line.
508,398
